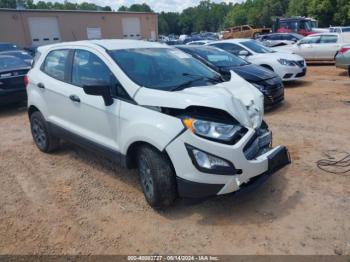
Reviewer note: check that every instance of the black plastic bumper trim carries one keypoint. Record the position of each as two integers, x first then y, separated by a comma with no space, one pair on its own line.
189,189
277,160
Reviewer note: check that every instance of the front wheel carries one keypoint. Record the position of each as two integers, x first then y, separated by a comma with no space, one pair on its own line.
157,177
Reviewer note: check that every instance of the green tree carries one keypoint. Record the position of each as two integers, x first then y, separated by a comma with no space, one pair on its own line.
136,8
297,7
322,10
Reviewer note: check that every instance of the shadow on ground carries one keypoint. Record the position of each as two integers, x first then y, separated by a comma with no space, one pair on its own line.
261,205
12,110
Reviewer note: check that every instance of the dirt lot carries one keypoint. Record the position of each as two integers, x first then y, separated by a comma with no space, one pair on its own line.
74,202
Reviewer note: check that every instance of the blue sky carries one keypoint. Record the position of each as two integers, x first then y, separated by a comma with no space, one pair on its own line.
156,5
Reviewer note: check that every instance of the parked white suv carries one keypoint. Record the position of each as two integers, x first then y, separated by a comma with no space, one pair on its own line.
154,108
288,66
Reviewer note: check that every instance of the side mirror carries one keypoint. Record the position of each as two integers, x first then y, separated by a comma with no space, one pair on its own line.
243,53
299,43
100,89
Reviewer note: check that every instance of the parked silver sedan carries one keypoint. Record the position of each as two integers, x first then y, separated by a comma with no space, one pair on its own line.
343,58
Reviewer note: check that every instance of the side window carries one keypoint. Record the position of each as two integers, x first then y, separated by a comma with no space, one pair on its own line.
275,37
310,40
329,39
55,64
89,69
245,28
287,37
232,48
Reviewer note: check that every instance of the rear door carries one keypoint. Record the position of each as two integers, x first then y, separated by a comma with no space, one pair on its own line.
51,83
307,47
328,47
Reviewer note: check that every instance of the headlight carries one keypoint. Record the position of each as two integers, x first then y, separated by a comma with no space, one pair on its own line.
212,130
286,62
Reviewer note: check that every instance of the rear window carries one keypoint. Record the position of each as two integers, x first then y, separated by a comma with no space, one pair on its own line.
55,64
329,39
9,63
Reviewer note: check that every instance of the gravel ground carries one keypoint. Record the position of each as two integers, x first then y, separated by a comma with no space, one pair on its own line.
74,202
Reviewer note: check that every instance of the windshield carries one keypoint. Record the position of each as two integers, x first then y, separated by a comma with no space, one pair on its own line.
9,63
220,58
7,47
256,47
306,25
162,68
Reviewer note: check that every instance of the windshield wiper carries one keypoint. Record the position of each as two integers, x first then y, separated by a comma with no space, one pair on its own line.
195,79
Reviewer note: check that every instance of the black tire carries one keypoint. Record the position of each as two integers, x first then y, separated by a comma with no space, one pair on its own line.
157,177
42,137
256,35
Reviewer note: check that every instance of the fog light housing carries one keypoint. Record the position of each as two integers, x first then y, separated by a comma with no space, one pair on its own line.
208,163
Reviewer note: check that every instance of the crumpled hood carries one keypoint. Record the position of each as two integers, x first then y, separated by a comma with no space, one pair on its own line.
237,97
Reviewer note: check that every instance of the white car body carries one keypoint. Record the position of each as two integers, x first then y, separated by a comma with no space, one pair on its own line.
199,42
124,124
268,60
318,47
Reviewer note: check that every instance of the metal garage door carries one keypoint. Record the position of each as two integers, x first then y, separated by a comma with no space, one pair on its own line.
131,28
44,30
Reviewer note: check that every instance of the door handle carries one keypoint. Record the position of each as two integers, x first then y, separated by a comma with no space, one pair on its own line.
74,98
41,86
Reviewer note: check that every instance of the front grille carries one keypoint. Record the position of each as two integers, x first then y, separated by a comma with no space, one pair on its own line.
258,145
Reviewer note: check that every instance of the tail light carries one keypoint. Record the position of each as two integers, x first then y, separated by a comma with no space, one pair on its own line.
343,50
26,80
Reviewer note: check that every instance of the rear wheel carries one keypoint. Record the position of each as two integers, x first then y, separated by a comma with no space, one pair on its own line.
157,177
42,137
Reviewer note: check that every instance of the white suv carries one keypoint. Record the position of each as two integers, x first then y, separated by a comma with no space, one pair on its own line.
155,108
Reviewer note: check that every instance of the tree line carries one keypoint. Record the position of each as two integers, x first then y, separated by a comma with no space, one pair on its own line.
210,16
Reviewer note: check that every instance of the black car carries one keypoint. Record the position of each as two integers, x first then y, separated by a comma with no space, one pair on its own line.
7,46
268,82
12,79
21,54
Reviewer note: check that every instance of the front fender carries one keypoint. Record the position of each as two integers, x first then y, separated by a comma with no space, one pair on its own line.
140,124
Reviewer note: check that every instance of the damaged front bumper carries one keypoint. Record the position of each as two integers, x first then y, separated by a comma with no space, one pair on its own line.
254,161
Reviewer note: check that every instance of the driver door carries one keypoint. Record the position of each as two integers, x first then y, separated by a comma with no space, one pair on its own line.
93,120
